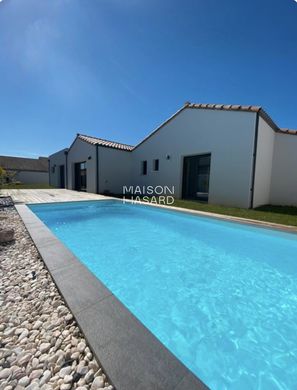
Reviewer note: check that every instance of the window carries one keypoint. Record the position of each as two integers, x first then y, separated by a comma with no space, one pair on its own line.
196,177
156,165
143,167
80,176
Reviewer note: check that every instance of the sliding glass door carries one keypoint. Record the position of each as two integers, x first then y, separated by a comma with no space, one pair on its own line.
81,176
62,176
196,177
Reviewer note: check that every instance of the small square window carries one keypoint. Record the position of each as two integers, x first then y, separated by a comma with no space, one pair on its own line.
143,167
156,164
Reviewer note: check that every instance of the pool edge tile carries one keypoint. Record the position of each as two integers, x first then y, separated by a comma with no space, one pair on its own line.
80,288
132,356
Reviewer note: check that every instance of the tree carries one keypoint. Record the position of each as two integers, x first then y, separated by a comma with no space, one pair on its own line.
2,176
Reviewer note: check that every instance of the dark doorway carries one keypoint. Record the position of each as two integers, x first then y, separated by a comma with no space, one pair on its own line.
62,176
81,176
196,177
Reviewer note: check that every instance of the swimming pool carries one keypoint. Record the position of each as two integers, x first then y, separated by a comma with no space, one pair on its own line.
221,296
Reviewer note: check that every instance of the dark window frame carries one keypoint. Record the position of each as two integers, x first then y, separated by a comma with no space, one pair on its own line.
156,165
144,167
80,176
185,179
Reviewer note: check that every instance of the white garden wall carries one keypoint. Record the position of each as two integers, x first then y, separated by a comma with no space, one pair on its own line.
81,151
284,170
263,171
32,177
114,170
55,161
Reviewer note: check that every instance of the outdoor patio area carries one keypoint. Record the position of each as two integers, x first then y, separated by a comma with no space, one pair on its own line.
49,195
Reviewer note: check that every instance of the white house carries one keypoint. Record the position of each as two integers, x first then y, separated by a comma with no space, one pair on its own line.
224,154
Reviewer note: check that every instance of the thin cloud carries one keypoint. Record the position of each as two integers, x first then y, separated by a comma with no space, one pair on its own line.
25,153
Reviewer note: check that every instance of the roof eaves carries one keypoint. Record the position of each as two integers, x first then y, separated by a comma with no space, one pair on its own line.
288,131
105,143
268,120
233,107
227,107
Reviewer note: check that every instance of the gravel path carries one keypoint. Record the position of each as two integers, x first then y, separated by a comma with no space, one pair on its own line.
41,346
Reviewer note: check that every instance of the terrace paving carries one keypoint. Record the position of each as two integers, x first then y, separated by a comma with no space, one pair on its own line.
49,195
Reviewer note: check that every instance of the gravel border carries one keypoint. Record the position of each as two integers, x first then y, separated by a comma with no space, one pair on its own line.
41,345
5,201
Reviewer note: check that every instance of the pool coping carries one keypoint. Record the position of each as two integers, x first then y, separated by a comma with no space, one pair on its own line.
131,356
223,217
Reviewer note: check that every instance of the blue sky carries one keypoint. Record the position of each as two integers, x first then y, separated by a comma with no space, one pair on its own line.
118,68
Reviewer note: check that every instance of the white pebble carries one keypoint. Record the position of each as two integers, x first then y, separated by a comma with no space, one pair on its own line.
65,371
5,373
24,381
89,376
37,325
68,378
81,346
65,386
45,377
44,347
98,383
24,334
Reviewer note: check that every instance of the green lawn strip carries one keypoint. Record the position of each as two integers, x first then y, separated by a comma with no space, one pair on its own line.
13,186
285,215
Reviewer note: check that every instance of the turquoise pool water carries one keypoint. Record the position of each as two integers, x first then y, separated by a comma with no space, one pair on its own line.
221,296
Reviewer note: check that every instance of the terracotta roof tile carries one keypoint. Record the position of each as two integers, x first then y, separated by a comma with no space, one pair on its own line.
231,107
288,131
104,142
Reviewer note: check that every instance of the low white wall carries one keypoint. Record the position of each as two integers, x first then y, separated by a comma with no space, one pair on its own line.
114,170
32,177
263,171
284,170
80,151
227,135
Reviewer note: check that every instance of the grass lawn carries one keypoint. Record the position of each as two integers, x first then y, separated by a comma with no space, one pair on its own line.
13,186
284,215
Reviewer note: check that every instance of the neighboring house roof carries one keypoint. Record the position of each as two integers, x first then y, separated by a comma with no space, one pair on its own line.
104,142
24,164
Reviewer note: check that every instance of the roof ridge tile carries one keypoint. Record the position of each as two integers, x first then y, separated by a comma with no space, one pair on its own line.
104,142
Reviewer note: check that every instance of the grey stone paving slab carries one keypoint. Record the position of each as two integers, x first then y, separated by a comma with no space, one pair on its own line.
36,228
190,382
79,287
42,235
56,256
128,351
